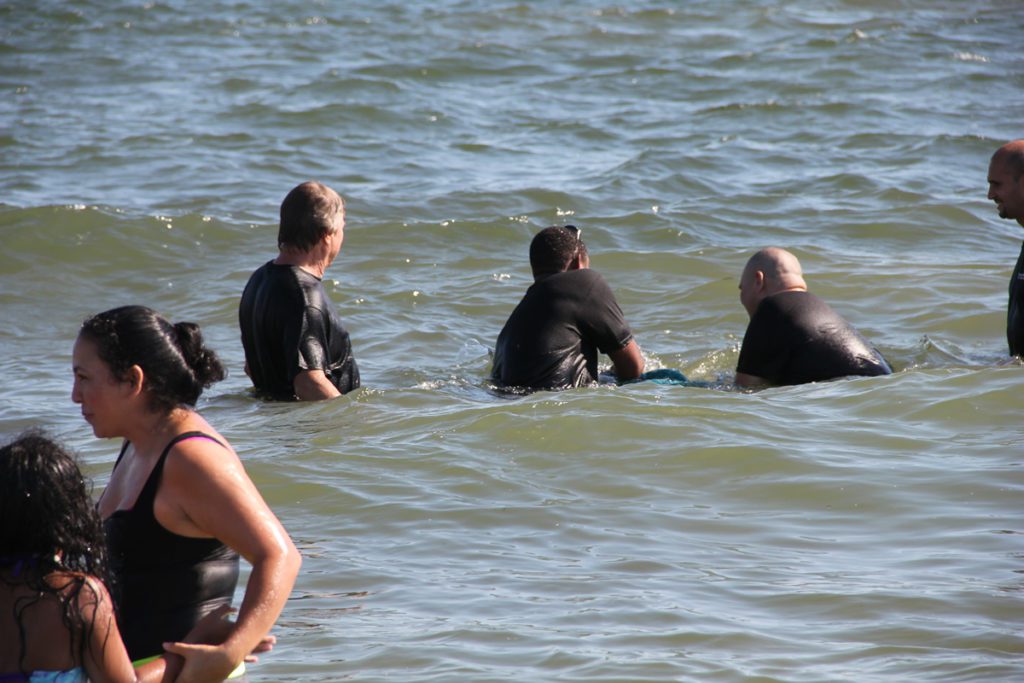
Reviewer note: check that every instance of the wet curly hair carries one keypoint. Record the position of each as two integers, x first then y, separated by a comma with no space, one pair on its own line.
553,249
49,524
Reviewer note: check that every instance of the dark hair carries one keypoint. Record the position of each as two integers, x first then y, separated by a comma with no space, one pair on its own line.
554,247
176,365
308,213
48,523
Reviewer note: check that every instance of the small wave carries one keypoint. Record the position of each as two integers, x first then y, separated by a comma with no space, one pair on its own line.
970,57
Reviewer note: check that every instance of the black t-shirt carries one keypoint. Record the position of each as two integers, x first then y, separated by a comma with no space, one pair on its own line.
289,325
1015,309
795,337
552,338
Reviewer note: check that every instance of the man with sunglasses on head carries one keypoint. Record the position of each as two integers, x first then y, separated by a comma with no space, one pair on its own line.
552,338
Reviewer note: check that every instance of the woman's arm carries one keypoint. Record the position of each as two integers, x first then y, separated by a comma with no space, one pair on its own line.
206,492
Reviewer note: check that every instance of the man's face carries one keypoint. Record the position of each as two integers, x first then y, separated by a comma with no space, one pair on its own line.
1005,190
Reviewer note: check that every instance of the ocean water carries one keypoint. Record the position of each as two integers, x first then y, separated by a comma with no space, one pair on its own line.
856,530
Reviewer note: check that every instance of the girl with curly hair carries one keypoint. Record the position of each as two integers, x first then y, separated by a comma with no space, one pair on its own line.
57,620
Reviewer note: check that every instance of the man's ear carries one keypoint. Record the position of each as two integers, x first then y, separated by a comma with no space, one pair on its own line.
325,240
759,281
579,262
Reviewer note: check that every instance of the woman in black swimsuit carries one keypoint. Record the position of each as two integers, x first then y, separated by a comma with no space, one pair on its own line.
179,508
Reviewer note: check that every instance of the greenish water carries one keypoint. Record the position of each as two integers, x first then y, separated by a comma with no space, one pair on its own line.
862,530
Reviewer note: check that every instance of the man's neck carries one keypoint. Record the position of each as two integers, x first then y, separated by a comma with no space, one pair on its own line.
791,288
301,260
574,264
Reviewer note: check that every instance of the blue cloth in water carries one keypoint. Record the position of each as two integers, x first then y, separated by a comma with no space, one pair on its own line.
669,376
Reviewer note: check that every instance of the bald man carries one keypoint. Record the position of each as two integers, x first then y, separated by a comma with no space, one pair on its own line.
1006,189
793,336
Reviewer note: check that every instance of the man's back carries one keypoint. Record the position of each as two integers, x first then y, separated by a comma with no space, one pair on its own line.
552,338
795,337
288,325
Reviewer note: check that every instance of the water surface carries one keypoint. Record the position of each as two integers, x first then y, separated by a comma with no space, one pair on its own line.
861,530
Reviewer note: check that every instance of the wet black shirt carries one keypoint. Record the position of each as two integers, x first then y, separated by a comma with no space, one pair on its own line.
795,337
1015,310
552,338
289,325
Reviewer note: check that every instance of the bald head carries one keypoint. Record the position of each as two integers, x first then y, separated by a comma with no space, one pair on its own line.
1006,180
1012,153
769,271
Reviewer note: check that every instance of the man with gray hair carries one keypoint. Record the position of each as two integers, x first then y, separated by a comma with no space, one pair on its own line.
295,344
1006,189
793,336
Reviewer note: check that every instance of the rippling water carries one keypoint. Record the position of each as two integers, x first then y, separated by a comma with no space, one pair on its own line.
862,530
